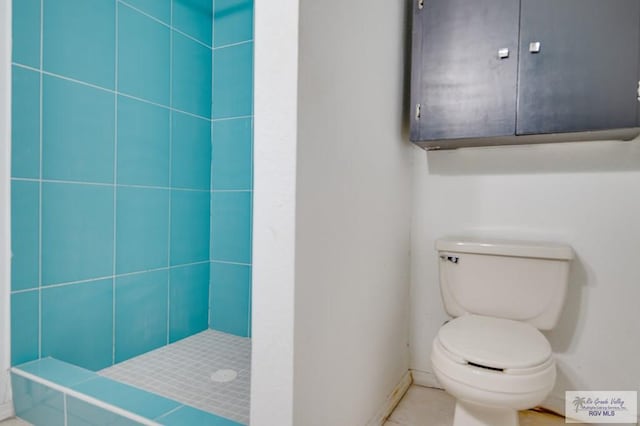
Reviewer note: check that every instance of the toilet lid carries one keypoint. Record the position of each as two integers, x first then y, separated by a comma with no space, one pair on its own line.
495,342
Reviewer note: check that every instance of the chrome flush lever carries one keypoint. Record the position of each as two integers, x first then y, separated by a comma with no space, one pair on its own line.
452,259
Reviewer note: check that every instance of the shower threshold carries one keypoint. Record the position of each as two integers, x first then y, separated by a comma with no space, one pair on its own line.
210,371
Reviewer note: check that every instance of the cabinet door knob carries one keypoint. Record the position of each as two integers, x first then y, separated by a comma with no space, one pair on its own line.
503,53
534,47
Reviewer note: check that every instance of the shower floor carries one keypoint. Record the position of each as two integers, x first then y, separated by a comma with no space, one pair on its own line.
182,371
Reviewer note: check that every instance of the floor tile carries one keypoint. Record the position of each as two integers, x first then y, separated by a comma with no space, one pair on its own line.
14,422
427,406
182,371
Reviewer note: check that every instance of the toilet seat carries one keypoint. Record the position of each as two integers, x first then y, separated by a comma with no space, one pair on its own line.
496,344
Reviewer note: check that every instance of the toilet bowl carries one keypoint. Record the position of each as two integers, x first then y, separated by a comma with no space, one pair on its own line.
493,367
492,357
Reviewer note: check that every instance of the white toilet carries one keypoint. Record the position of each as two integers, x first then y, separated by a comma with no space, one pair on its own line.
492,357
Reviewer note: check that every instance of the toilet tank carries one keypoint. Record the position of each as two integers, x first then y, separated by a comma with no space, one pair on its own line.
518,280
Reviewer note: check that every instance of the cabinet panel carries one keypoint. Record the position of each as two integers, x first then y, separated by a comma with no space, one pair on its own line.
464,88
585,75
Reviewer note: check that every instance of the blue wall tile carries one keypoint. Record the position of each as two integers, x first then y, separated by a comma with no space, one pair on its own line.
25,129
36,403
141,313
191,416
78,132
160,9
80,413
189,300
142,229
189,226
232,21
143,143
25,201
24,335
79,313
127,397
26,32
191,78
230,297
77,232
231,159
190,152
231,226
233,81
194,17
143,56
79,40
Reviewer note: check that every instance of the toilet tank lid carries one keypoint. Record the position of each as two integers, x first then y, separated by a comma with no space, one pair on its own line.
499,247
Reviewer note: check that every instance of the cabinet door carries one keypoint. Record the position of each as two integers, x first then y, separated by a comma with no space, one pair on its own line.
584,76
465,89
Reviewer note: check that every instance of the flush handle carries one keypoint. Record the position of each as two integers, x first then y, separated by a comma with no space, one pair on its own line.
452,259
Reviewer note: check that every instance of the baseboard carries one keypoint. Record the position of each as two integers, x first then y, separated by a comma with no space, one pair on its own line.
6,410
426,379
392,401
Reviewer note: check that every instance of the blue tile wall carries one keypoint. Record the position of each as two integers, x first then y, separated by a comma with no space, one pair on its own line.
188,285
143,56
77,323
231,294
233,21
143,143
233,81
24,344
26,36
78,129
191,77
131,176
232,167
25,204
231,226
141,313
25,156
79,40
142,231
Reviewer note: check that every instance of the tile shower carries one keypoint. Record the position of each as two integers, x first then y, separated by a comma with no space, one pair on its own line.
132,188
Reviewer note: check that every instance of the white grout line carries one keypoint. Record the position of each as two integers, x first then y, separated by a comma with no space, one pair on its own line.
115,192
86,398
239,43
120,185
104,89
170,26
40,174
238,117
211,183
230,263
167,341
127,274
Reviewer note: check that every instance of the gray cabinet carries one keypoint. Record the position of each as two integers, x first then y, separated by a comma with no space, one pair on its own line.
490,70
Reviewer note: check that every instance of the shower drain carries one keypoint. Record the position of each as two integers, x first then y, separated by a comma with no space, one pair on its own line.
223,376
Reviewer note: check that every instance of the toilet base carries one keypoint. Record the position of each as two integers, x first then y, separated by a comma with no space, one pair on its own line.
467,414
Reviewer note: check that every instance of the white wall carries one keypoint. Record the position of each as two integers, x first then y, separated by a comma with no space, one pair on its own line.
6,409
275,106
353,211
584,194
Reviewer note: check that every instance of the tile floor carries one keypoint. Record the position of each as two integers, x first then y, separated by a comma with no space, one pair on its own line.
433,407
182,371
14,422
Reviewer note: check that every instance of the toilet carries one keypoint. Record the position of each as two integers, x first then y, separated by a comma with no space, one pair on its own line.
492,356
